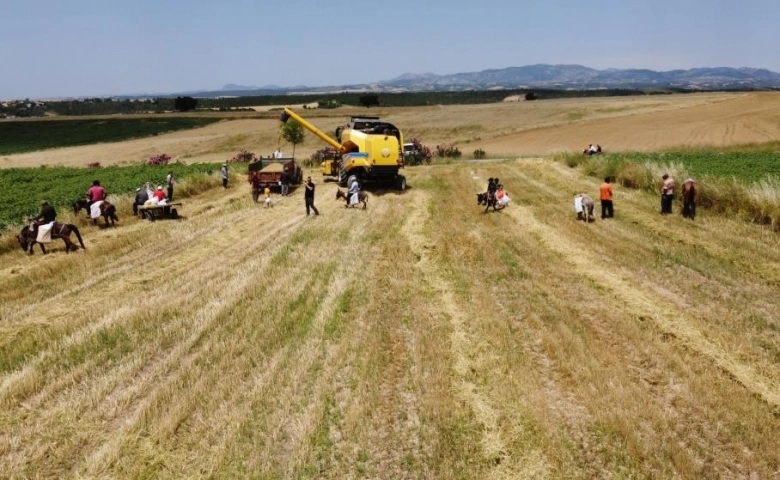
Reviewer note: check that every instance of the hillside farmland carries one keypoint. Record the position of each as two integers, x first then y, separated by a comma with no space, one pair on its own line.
420,338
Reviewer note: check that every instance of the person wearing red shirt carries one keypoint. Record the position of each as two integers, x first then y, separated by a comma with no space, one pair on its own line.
605,195
95,193
159,194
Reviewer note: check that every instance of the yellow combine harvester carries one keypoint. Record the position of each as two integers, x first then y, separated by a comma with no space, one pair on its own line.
370,150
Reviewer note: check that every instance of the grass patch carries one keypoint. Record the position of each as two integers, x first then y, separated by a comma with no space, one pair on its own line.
744,183
61,186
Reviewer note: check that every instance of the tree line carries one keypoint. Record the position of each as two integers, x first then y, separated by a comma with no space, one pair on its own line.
110,106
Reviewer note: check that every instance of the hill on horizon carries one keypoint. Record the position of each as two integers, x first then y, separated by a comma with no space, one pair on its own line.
542,76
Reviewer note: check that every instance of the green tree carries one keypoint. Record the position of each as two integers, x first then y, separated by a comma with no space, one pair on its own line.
292,131
184,104
369,100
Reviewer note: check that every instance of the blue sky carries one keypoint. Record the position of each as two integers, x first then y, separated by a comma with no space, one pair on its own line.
59,48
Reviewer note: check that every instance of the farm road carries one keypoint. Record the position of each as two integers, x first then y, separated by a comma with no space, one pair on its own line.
421,338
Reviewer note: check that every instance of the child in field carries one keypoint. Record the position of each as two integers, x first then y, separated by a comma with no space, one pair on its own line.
268,200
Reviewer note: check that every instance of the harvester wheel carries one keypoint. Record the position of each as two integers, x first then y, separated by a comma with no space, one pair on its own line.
400,183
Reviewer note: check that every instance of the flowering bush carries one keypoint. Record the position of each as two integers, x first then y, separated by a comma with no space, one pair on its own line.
161,159
93,165
243,156
448,151
419,155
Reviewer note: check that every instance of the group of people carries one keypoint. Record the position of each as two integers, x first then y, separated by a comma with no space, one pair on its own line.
690,196
592,150
495,192
146,195
584,206
309,187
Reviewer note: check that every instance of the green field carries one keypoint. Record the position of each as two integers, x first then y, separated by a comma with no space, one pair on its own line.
749,166
24,188
31,136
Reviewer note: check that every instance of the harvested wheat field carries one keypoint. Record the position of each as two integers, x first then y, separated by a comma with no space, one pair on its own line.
421,338
510,129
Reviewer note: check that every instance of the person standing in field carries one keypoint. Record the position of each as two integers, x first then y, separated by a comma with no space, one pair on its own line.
268,200
254,181
605,195
308,196
169,181
284,180
690,196
667,194
224,173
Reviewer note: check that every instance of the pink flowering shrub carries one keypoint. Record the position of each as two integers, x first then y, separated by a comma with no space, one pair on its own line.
161,159
243,156
421,154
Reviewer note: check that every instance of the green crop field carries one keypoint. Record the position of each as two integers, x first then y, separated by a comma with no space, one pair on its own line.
749,166
24,188
30,136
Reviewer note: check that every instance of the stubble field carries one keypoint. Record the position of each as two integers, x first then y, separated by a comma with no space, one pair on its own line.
418,339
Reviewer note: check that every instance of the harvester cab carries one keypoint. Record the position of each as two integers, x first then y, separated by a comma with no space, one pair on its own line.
370,149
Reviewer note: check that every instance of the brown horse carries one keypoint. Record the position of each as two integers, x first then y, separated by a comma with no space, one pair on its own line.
107,210
79,205
27,237
362,197
489,199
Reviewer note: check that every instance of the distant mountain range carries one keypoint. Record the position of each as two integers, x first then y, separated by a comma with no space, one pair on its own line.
573,77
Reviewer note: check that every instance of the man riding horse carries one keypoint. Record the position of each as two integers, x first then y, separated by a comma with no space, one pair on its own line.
48,214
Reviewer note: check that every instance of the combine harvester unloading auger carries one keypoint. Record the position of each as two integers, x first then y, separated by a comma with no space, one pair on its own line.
369,149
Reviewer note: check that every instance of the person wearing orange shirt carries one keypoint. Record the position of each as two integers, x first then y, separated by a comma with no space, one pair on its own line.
605,195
